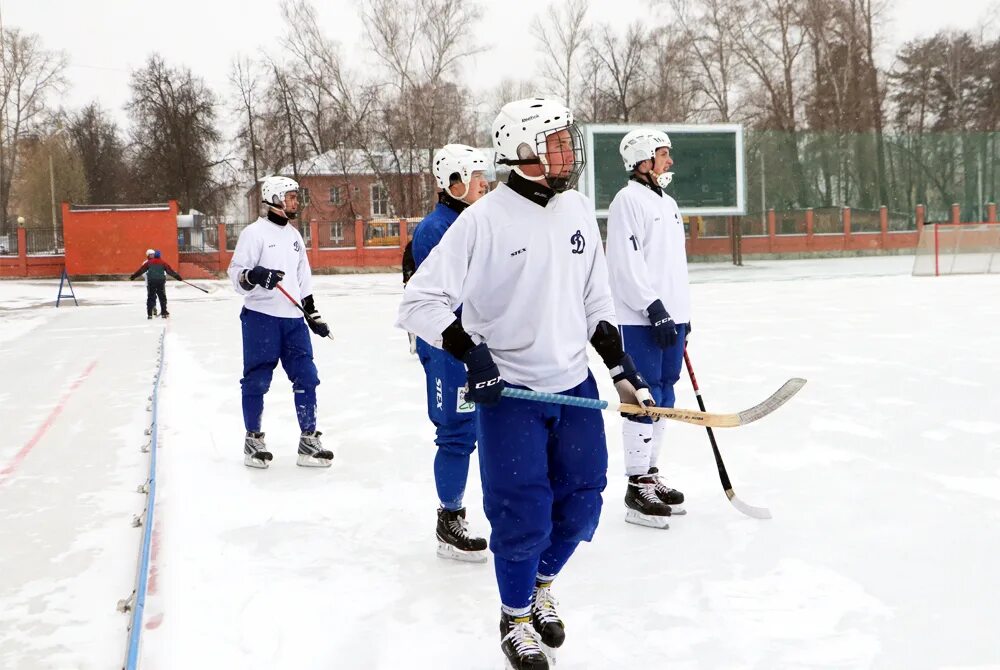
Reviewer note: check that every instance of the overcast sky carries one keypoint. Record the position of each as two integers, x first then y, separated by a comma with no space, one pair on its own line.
104,39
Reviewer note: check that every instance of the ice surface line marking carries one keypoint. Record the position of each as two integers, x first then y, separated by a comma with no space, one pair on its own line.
56,411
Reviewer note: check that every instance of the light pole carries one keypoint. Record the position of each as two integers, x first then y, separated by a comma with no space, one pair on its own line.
52,187
52,191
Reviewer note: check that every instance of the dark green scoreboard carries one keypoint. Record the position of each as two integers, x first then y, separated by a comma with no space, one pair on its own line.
709,177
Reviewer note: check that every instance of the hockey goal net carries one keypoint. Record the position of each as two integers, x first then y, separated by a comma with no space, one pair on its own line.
958,248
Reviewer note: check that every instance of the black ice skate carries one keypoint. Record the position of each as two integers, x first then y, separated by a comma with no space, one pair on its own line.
519,644
311,451
453,538
671,497
255,453
165,314
643,506
545,619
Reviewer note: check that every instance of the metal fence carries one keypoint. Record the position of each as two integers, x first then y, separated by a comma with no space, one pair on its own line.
200,238
336,235
43,242
8,244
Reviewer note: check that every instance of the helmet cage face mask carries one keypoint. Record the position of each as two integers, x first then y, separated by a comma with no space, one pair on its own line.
570,174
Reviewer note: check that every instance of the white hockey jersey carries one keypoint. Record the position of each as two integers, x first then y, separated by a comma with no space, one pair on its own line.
532,282
277,248
646,255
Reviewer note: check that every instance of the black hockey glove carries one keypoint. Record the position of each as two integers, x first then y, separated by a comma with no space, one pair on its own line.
485,382
632,388
263,277
664,329
315,321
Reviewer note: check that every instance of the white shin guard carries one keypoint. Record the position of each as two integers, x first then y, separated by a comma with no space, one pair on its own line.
637,438
659,427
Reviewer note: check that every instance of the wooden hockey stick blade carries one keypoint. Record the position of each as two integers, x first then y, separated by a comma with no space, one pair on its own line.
749,510
776,400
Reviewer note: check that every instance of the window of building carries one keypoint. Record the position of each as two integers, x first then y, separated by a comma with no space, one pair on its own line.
335,195
304,195
380,200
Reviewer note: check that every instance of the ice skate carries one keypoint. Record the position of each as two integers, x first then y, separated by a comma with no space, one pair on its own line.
643,506
311,451
670,497
546,621
255,453
520,645
453,538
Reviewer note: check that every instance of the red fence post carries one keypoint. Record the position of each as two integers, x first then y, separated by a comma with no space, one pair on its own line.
810,227
920,220
223,243
956,213
883,220
314,247
770,230
991,212
22,249
845,214
359,241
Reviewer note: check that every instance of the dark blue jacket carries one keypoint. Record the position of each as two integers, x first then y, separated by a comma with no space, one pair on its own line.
433,227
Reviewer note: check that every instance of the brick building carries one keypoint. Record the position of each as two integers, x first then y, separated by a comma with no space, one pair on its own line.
339,187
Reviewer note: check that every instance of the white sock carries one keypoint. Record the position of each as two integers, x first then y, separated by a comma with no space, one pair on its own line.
658,429
637,439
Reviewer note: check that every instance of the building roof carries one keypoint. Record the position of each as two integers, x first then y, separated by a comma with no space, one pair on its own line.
353,162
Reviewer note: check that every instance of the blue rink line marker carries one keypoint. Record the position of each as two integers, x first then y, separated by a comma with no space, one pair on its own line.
142,578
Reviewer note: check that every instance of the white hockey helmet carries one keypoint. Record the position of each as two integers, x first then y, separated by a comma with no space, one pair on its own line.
273,190
519,133
640,145
457,159
150,252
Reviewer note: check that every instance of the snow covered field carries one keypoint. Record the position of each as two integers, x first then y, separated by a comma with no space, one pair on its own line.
883,476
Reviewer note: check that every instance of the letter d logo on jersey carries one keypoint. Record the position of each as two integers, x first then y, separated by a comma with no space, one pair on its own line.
578,242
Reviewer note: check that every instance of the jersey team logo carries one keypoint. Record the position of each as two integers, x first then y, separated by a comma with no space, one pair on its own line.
578,242
296,245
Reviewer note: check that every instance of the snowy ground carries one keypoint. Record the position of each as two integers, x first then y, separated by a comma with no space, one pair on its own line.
883,476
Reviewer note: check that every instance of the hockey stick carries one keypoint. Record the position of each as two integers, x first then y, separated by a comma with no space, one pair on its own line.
203,290
749,510
301,308
702,418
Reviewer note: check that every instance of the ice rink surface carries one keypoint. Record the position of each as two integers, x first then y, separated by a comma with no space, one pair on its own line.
883,476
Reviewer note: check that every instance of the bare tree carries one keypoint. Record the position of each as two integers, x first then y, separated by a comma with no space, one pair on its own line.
625,67
30,73
51,171
174,137
101,150
561,39
245,80
709,36
770,41
419,107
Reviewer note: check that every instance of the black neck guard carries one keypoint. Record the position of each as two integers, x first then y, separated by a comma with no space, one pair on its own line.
535,191
451,202
274,217
647,181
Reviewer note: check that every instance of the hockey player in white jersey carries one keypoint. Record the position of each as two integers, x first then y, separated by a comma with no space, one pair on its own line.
527,266
647,264
270,251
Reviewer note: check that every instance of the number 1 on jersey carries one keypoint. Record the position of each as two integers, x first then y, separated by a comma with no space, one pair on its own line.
635,242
